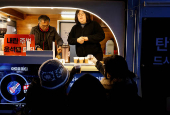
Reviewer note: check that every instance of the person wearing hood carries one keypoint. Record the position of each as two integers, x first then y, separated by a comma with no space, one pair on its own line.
86,35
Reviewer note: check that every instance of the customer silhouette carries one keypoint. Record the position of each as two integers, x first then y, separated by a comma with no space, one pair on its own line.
86,96
122,91
47,94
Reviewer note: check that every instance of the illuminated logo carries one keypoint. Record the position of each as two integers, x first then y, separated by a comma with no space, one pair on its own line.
52,75
25,88
14,88
19,68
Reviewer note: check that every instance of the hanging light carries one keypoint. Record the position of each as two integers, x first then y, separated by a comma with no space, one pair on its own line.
8,19
68,14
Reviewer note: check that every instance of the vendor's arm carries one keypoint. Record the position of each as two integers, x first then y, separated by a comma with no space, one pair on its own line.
72,40
98,36
80,40
59,50
58,39
37,45
39,49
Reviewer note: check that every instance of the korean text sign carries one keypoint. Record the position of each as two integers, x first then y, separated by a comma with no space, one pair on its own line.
162,47
155,62
15,44
155,49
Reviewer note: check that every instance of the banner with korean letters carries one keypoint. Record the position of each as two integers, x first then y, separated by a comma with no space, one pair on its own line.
155,63
15,44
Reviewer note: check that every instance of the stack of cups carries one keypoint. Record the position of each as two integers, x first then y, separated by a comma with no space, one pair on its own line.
80,59
83,59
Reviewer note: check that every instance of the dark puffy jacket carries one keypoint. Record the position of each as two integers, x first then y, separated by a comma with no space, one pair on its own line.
50,36
87,95
41,101
122,94
95,34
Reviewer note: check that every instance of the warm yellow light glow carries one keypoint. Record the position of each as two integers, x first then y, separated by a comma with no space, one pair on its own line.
8,19
67,8
67,16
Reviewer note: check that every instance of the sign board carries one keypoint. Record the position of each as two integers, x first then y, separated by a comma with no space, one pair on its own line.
15,44
155,62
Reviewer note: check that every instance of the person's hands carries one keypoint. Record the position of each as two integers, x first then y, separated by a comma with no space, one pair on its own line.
59,49
39,49
86,39
94,60
73,71
80,40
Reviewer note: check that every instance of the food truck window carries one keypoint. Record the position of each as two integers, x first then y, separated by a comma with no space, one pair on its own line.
26,18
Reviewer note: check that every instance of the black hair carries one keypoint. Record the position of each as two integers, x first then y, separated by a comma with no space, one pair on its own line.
44,17
117,67
88,19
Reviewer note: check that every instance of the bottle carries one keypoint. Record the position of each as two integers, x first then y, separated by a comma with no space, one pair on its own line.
109,48
66,52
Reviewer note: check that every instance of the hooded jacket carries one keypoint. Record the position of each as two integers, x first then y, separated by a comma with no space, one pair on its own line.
95,34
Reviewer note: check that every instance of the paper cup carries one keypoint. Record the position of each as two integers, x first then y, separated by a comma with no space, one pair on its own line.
86,60
81,59
75,59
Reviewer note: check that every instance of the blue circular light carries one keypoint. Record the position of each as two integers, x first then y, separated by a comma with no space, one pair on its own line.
7,89
14,88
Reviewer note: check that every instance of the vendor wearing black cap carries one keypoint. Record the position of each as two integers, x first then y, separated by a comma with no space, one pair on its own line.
45,35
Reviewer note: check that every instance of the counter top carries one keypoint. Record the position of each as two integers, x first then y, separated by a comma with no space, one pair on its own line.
84,66
40,60
23,59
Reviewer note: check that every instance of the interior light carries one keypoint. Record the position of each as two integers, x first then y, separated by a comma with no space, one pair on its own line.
67,13
8,19
67,16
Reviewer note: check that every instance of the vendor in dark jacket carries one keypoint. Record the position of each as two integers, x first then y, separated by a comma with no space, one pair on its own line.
86,35
45,35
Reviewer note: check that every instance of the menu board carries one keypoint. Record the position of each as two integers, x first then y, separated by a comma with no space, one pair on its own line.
15,44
